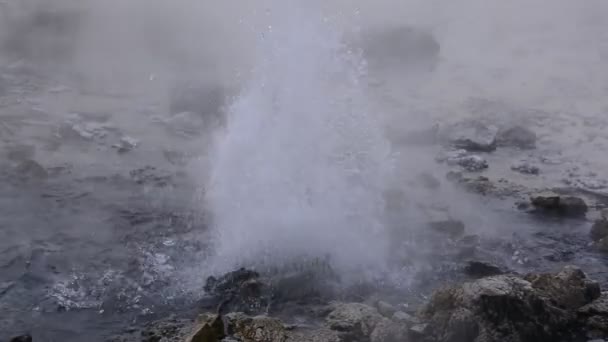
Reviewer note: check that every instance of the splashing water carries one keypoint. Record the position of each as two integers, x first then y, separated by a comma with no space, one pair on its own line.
300,170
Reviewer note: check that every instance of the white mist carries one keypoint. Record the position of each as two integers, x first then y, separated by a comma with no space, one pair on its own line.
301,168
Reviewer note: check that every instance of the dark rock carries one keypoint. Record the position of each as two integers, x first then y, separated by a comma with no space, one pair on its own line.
599,229
403,317
595,316
471,136
602,245
239,290
22,338
569,206
452,228
211,331
516,136
480,269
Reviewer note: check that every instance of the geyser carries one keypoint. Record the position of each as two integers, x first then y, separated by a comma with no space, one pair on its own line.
300,170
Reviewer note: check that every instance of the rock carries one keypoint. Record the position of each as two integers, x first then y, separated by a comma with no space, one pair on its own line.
239,290
452,228
126,144
480,269
385,309
484,186
471,136
22,338
599,229
353,320
388,331
210,331
508,308
419,330
30,169
516,136
595,316
260,329
403,317
526,168
569,206
462,158
569,289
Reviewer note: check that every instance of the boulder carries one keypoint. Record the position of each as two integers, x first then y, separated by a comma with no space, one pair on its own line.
210,331
599,229
568,206
509,308
241,290
595,316
388,331
516,136
385,309
354,321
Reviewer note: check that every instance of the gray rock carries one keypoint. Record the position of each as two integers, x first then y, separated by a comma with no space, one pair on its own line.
526,168
388,331
353,320
599,229
469,162
516,136
385,309
472,136
569,206
504,307
403,317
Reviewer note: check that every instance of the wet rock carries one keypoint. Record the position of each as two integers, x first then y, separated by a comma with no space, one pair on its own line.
469,162
516,136
599,229
403,317
210,331
569,289
480,269
471,136
453,228
22,338
260,329
385,309
569,206
526,168
31,170
354,321
388,331
505,307
595,316
241,290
